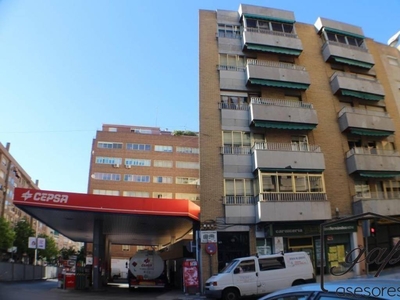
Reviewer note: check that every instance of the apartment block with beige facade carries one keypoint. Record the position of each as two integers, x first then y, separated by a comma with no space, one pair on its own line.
140,161
299,124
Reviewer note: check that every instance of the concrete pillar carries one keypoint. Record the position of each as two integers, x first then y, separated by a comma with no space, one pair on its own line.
98,254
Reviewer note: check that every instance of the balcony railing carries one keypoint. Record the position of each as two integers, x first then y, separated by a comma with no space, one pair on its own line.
291,197
370,151
231,68
354,76
362,112
377,196
295,147
363,49
240,150
266,31
281,102
274,64
238,200
242,106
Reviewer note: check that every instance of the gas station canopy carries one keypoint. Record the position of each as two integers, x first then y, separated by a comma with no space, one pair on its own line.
126,220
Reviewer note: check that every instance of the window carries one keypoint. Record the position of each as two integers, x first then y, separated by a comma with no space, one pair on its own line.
362,189
187,150
1,174
108,160
239,187
344,39
4,161
136,178
135,194
187,165
192,197
138,147
126,248
234,102
138,162
106,192
299,143
163,163
107,176
292,183
187,180
267,264
234,141
162,195
163,148
229,31
112,129
263,25
247,266
162,179
141,130
232,62
393,61
109,145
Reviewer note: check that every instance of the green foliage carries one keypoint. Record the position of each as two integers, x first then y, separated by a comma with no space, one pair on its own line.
81,254
7,235
67,252
23,231
51,252
184,132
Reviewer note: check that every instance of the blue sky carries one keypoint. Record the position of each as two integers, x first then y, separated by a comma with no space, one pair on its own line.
69,66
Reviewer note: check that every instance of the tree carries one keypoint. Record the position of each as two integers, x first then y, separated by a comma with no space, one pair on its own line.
82,254
67,252
7,235
22,233
51,251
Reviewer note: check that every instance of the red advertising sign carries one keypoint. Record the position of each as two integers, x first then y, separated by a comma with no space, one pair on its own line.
190,273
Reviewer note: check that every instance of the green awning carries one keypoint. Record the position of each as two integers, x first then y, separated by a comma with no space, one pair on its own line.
273,49
281,84
284,125
370,132
379,174
353,62
269,18
334,30
362,95
290,170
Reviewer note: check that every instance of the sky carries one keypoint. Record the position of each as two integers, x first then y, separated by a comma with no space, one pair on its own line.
69,66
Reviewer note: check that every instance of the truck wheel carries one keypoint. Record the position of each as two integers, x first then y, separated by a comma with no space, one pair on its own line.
298,282
230,294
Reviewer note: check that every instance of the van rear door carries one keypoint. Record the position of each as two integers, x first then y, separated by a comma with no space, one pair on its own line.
245,277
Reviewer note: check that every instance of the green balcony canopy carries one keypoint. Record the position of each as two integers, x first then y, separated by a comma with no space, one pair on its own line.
273,49
353,62
370,132
280,84
268,18
379,174
284,125
334,30
362,95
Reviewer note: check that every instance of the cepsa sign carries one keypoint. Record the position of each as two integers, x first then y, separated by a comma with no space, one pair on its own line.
45,197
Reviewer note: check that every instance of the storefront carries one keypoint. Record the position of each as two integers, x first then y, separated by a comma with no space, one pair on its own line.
306,237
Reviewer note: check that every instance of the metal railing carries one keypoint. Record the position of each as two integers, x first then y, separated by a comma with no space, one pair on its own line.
274,64
241,106
281,102
362,111
240,150
363,49
266,31
371,151
294,147
393,195
239,200
231,68
292,197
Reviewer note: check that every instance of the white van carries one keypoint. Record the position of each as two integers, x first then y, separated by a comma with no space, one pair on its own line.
259,275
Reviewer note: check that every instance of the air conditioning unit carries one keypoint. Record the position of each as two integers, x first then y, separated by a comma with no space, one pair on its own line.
116,165
128,166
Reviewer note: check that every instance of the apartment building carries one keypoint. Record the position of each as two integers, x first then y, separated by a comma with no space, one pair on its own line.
139,161
299,124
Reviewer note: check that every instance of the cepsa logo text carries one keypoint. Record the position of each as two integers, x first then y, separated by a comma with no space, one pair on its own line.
45,197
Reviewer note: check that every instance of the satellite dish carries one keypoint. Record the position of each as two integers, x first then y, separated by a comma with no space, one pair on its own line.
394,40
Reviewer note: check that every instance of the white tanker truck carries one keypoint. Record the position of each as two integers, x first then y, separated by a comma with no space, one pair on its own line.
146,270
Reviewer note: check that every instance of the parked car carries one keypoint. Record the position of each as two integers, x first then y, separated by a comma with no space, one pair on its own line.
259,275
344,289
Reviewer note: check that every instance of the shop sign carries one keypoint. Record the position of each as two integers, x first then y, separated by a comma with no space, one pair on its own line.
311,229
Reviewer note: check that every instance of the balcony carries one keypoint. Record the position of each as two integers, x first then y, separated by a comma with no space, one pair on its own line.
277,74
271,41
347,54
354,85
283,156
282,114
379,203
373,162
273,207
239,209
365,122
